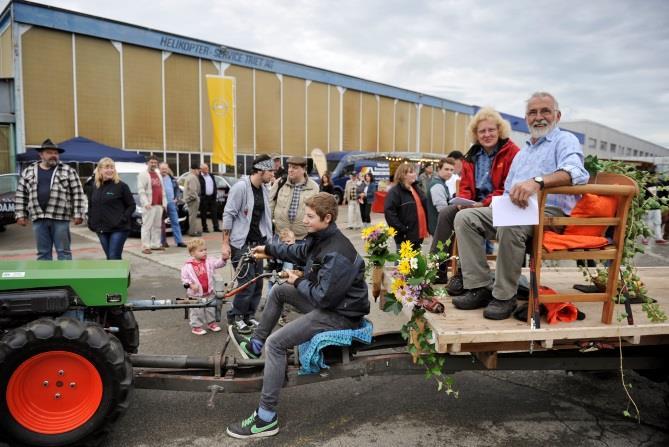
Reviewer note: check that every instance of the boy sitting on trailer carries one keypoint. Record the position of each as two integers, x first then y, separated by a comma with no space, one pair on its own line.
332,295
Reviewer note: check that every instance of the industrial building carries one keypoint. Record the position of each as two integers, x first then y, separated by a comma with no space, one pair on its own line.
67,74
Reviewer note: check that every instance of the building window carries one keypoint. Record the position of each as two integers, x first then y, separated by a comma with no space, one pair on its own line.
613,148
635,152
592,143
603,145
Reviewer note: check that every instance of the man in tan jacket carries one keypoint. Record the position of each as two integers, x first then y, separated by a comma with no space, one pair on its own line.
287,198
192,200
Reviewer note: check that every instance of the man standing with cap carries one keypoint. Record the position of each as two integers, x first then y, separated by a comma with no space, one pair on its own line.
207,198
247,223
287,198
51,193
192,200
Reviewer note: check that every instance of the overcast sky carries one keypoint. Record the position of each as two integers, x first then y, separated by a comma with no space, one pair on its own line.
605,60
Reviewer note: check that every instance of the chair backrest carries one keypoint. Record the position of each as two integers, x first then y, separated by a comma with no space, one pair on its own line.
617,185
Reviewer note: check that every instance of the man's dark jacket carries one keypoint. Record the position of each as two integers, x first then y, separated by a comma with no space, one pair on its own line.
110,207
203,189
334,272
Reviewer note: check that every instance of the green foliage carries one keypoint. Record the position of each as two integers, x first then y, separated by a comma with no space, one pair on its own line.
631,283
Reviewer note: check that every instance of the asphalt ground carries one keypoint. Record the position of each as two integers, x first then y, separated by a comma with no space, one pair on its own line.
494,408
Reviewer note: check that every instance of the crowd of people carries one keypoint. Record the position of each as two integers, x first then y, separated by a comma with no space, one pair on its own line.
283,213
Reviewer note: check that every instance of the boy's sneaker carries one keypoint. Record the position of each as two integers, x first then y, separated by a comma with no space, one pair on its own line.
240,326
252,322
214,327
243,343
253,427
198,331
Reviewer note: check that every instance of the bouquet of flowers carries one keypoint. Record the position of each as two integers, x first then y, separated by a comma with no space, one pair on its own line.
376,244
413,278
376,239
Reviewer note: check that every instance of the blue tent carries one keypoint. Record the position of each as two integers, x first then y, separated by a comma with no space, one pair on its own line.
80,149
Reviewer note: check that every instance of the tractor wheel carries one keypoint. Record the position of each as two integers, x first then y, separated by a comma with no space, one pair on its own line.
62,383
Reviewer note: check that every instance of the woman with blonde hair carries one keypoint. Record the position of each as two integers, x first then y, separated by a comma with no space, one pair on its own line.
405,206
110,208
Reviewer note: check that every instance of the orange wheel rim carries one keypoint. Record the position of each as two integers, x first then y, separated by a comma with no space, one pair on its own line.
54,392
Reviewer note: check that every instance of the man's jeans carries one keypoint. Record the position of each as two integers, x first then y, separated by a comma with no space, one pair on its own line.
112,243
246,302
174,222
49,234
294,333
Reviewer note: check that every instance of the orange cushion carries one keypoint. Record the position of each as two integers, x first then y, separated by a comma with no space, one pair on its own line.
592,205
553,241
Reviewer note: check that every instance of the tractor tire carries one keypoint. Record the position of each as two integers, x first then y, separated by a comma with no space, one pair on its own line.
128,332
62,383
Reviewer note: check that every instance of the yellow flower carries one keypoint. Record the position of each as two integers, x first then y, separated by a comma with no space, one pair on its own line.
404,267
407,251
391,232
397,284
366,247
366,232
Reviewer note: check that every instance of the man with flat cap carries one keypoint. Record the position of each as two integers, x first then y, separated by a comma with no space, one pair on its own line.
50,193
192,200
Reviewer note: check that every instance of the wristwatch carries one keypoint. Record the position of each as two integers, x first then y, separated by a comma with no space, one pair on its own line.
540,181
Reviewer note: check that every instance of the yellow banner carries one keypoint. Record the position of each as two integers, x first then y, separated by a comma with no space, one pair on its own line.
221,94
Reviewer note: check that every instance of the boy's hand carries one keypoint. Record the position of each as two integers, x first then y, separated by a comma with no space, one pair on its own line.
258,252
293,275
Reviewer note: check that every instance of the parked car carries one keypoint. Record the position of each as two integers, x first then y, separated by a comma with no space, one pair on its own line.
128,171
223,186
8,185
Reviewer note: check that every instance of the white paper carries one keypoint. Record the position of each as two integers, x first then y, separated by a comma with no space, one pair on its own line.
461,201
506,214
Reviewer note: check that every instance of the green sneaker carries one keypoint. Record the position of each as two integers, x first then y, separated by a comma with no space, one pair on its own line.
253,427
243,343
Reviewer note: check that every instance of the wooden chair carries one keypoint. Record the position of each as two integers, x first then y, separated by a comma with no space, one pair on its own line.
603,184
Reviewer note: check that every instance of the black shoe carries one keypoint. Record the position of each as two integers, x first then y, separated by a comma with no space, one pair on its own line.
217,230
205,231
182,245
500,309
253,427
442,277
473,299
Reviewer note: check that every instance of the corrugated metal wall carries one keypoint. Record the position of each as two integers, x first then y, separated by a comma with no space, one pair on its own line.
144,99
6,54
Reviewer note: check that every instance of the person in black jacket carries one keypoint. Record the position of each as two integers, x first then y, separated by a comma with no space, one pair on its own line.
110,208
332,294
405,207
208,193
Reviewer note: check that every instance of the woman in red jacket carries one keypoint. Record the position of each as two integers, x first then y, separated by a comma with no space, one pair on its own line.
484,170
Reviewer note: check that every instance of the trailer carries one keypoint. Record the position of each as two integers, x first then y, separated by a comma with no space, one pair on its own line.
69,361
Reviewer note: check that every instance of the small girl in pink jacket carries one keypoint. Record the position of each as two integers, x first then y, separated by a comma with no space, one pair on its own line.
198,274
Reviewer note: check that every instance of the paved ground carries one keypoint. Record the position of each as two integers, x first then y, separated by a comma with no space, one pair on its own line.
495,408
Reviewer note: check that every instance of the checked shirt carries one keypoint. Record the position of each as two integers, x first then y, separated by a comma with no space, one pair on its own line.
67,198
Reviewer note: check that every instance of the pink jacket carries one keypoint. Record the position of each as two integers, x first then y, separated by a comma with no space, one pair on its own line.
188,275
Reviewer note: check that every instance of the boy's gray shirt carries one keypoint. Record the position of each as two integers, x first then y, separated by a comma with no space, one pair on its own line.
238,212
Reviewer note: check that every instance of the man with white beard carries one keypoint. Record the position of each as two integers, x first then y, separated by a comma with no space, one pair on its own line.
551,158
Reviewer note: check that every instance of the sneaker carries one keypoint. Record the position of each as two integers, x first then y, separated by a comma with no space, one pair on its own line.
253,427
243,343
661,242
473,299
198,331
240,326
146,251
214,327
499,309
252,322
182,245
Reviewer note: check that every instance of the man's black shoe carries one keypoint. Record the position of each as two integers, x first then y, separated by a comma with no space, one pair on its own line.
217,230
442,277
182,245
473,299
204,230
253,427
500,309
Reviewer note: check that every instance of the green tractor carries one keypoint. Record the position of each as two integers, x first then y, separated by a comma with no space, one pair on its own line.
65,373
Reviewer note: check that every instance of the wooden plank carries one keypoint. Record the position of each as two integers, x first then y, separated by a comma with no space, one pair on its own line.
487,359
574,255
573,297
559,221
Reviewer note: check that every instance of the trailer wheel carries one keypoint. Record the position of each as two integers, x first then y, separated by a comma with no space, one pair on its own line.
62,383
